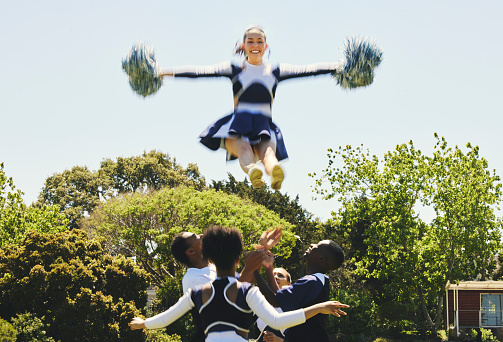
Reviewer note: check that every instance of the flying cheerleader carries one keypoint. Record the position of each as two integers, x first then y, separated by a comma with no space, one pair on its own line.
249,134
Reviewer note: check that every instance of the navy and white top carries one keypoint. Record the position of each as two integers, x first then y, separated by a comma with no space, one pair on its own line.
222,317
254,89
307,291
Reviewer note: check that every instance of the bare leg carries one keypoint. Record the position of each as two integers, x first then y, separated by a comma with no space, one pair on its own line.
244,152
266,151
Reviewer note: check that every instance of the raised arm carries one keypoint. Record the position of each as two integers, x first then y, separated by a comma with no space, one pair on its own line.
266,291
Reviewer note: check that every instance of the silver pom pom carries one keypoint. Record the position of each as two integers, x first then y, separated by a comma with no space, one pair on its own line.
361,57
143,70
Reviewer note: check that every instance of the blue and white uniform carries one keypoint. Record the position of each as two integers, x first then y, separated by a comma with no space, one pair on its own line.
254,88
222,317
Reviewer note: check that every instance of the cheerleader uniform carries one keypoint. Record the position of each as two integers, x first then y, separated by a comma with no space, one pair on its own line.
254,88
221,317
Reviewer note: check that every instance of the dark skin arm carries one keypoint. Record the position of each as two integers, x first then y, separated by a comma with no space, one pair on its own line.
269,294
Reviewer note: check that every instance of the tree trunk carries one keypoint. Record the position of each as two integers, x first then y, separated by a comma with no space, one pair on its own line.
438,317
424,309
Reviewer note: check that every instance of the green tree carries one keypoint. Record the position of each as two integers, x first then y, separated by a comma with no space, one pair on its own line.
76,192
82,293
16,219
418,259
79,190
154,170
144,224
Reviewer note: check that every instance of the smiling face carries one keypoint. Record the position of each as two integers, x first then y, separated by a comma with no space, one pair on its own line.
254,46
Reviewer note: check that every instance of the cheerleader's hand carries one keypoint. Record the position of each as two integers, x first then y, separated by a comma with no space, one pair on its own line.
332,308
268,261
270,238
137,323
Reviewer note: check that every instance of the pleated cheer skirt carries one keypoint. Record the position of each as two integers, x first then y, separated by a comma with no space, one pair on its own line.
251,127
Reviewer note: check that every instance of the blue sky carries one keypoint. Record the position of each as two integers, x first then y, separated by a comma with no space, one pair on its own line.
64,100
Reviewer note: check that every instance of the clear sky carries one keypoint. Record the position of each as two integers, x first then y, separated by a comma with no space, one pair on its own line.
64,100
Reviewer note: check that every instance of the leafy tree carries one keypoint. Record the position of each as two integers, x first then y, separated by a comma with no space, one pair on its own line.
416,258
154,170
30,328
84,294
16,219
79,190
75,192
144,224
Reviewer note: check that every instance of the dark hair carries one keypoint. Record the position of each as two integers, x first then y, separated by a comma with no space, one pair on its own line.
178,248
334,253
238,50
222,245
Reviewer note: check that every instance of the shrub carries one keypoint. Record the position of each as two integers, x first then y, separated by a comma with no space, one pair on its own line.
30,328
7,332
83,294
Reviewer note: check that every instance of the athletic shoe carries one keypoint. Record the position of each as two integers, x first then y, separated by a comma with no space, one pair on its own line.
277,176
255,174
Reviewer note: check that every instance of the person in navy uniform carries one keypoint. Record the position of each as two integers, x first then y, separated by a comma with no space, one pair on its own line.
314,288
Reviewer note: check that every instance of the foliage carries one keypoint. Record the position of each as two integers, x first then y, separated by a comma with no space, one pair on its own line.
79,190
485,334
412,257
30,328
84,294
16,219
7,331
159,336
144,224
362,314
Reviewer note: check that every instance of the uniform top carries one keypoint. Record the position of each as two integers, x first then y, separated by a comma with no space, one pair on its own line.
308,290
254,86
252,297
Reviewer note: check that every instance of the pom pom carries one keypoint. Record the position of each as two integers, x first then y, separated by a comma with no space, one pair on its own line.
361,57
143,70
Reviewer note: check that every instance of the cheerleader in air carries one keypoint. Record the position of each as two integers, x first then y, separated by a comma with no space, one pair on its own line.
249,133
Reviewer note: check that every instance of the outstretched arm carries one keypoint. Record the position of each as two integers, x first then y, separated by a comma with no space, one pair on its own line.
167,317
287,71
283,320
193,71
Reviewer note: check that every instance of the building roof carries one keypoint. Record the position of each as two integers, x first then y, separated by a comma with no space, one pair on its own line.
477,285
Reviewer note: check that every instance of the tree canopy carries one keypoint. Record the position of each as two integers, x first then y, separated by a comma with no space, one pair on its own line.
17,219
415,257
144,224
79,190
67,280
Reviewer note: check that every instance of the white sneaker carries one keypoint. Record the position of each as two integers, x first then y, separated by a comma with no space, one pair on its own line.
277,176
255,174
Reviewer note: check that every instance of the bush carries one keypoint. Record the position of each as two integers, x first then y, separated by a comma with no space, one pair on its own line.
7,332
361,318
83,294
486,335
30,328
159,336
